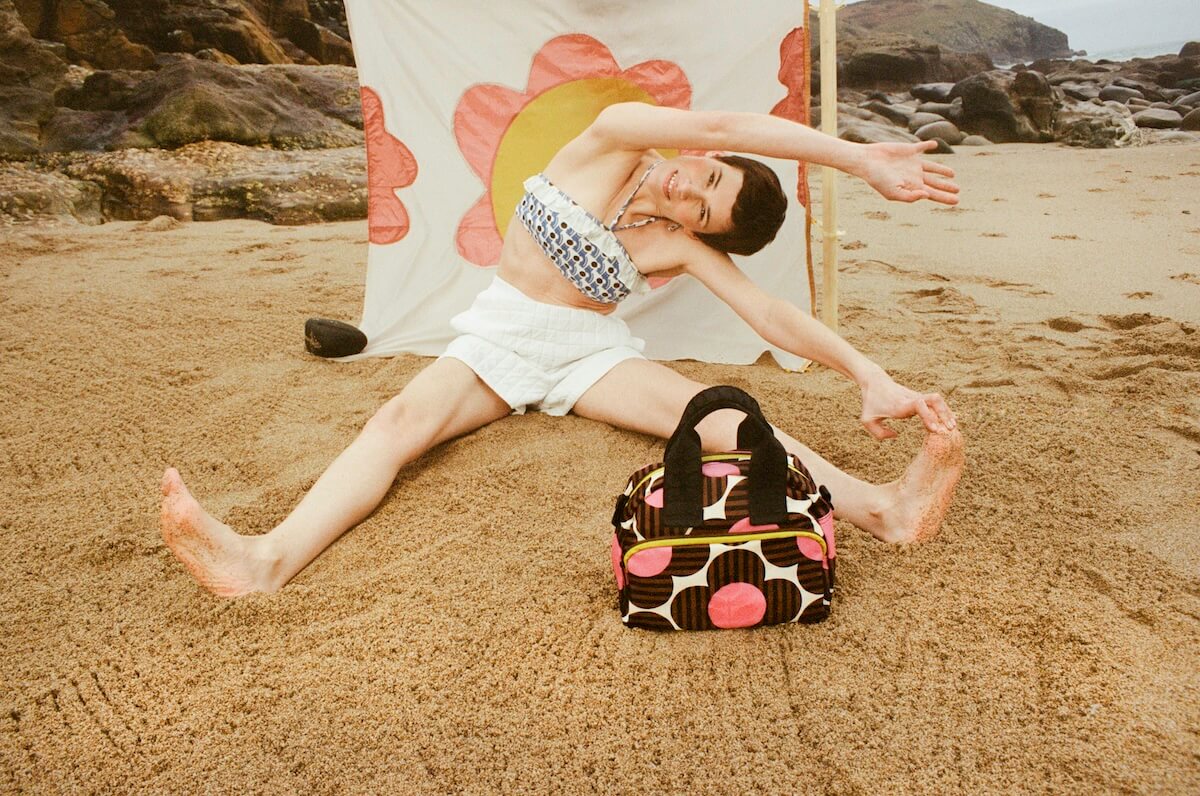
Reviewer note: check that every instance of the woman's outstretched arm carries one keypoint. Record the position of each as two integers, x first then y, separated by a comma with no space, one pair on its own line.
781,324
896,171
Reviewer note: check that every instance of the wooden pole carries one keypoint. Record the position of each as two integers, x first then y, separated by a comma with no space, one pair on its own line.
829,110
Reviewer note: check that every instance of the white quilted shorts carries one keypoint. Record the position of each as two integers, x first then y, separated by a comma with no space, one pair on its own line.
536,355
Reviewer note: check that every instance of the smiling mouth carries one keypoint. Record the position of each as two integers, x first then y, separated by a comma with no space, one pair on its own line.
669,183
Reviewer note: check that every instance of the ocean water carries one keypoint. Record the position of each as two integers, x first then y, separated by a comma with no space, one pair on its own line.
1138,51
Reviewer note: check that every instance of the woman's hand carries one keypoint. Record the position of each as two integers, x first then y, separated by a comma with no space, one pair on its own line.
884,399
899,173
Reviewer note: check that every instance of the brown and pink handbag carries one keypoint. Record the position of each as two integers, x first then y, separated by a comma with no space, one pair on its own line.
724,540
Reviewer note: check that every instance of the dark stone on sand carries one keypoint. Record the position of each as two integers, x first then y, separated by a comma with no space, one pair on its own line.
1007,107
947,110
975,140
942,148
1157,119
1191,122
1120,93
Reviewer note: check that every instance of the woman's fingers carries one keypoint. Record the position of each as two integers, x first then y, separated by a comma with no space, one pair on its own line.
937,168
939,405
941,185
942,197
928,416
877,429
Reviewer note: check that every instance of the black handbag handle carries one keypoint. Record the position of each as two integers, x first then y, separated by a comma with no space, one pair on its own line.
683,477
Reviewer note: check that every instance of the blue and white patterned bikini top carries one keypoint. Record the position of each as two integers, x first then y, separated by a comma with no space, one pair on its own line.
584,249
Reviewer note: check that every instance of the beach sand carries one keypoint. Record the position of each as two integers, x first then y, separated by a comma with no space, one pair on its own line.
465,638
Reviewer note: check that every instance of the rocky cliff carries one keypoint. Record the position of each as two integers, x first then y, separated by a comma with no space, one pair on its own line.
961,26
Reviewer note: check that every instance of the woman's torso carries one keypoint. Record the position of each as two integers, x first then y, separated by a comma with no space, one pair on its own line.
653,248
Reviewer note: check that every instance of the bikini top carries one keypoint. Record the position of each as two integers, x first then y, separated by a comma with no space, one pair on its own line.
583,248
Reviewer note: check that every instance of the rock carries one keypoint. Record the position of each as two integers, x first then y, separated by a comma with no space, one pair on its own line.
1190,50
190,100
213,180
92,35
947,110
1081,92
896,114
1120,93
975,140
1146,90
320,42
1092,126
921,119
864,132
28,194
1165,106
1007,107
30,72
1192,99
1173,137
932,92
905,63
1157,119
1191,121
942,148
159,224
216,56
943,130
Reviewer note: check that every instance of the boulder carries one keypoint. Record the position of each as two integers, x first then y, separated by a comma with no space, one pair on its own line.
943,131
1191,122
1086,91
932,92
1190,50
191,100
896,114
921,119
975,140
904,63
1085,124
1120,93
1007,107
1157,119
92,34
947,110
30,194
216,180
864,132
30,72
1192,99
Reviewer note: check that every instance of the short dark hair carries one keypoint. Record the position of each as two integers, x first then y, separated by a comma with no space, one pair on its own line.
758,210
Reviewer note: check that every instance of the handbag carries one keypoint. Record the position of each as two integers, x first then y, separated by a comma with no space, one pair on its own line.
726,540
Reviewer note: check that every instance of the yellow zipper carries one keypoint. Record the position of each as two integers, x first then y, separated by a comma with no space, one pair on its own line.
729,538
712,457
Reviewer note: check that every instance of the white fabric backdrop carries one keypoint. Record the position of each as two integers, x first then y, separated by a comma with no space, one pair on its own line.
421,58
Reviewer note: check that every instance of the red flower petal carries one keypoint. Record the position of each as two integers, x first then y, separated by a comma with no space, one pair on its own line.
478,240
390,165
569,57
663,80
482,116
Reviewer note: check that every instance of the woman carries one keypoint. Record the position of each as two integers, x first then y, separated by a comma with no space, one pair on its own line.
541,335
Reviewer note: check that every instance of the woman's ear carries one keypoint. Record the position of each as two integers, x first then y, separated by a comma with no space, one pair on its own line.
712,153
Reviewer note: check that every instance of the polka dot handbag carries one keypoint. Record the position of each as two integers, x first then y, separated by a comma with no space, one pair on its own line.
725,540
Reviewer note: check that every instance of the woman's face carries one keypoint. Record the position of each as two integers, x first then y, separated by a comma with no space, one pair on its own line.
698,192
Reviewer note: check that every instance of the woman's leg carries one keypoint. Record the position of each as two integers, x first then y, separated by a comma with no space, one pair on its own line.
648,397
443,401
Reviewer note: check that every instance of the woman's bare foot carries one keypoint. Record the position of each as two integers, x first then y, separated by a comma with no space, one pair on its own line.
223,561
922,495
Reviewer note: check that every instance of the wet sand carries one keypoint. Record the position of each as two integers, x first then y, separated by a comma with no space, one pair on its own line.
465,638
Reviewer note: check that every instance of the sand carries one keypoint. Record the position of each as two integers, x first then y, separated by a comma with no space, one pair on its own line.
465,638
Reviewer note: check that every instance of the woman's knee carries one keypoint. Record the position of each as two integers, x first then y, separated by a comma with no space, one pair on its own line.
400,422
718,431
